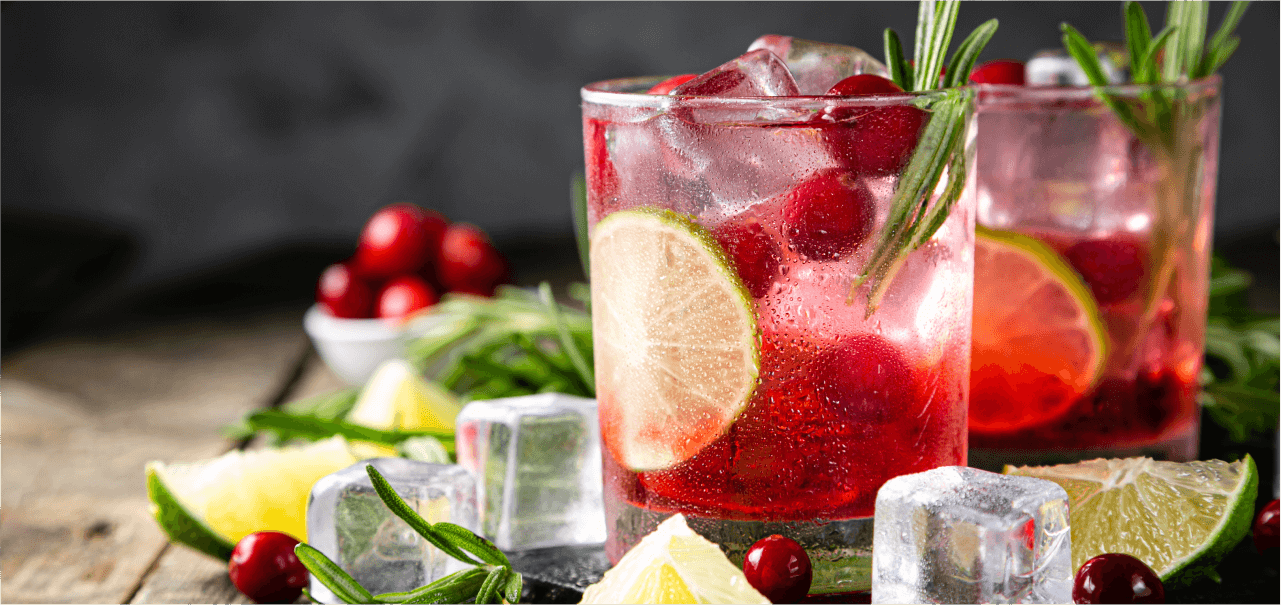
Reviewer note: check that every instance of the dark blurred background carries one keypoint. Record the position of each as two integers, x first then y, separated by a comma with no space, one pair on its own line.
204,157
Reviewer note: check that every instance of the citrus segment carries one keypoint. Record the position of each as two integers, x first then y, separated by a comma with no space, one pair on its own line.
676,345
1178,518
396,397
212,504
673,565
1038,341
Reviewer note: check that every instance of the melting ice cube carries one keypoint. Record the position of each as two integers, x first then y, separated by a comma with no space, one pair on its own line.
960,535
817,66
757,73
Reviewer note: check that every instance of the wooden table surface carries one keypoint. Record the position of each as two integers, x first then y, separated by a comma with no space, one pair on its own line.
83,414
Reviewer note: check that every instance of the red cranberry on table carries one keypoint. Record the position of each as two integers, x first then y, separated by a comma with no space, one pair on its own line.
1265,528
264,567
403,296
398,239
1117,578
828,214
342,293
779,568
872,141
1001,71
467,261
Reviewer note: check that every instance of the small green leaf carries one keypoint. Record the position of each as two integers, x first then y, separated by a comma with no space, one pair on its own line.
967,54
457,587
512,590
332,576
1138,37
313,427
488,592
566,341
412,518
578,197
476,545
900,69
936,21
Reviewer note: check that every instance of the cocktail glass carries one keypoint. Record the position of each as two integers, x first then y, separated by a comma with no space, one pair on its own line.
1094,211
781,292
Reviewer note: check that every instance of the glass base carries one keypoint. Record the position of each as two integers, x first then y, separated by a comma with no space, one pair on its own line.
840,551
1179,447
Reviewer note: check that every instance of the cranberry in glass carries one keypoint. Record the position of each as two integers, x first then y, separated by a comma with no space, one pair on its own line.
828,214
666,86
872,141
1117,578
1113,268
779,568
1265,528
1001,71
754,253
264,567
342,293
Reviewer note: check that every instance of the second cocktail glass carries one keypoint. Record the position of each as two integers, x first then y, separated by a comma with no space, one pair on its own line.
781,296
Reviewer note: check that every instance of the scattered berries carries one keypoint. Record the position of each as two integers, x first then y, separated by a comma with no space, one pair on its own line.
1117,578
779,568
264,567
1265,528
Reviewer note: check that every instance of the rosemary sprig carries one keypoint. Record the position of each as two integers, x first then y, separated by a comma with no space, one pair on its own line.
491,577
915,213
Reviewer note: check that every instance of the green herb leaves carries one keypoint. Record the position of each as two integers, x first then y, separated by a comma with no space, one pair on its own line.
940,151
491,579
1243,361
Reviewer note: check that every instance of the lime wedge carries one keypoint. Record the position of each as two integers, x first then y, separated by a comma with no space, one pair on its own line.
677,352
396,397
1180,518
211,504
1038,341
673,565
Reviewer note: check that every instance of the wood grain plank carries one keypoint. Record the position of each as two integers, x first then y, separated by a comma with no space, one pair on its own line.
184,576
83,414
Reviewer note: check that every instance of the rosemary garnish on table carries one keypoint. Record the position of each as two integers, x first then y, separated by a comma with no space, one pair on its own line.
490,580
913,220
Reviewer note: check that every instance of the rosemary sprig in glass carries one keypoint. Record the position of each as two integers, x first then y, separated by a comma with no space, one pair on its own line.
915,211
491,578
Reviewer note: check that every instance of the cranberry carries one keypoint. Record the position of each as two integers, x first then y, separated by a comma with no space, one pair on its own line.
398,239
404,295
864,379
873,141
666,86
1117,578
999,72
1113,268
1265,528
602,176
754,253
342,293
467,261
779,568
828,214
264,567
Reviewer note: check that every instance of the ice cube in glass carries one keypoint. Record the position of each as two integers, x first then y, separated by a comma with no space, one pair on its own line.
348,522
756,73
817,66
961,535
537,465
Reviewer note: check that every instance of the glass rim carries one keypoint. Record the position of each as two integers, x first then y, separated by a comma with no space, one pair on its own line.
1018,92
613,92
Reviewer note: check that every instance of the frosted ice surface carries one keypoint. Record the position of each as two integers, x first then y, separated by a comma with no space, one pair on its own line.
348,522
817,66
960,535
537,463
757,73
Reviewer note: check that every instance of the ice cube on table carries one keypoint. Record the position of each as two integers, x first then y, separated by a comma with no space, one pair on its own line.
757,73
536,460
817,66
350,524
1055,67
961,535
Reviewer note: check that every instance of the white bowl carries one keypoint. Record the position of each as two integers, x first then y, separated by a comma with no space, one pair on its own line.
353,348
